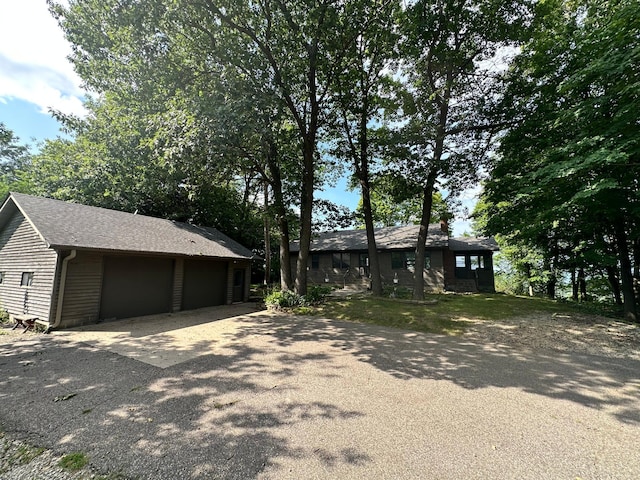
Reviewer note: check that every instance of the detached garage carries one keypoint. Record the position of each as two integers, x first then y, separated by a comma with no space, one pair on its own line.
66,264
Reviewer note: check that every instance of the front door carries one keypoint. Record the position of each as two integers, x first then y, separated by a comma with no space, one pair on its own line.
238,285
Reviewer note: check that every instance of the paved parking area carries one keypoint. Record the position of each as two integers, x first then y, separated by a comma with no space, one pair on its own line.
261,395
167,339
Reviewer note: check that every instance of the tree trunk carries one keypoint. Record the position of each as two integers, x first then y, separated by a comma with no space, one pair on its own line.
628,294
615,284
574,285
527,268
286,281
427,203
306,210
267,237
550,285
374,261
636,268
362,170
582,285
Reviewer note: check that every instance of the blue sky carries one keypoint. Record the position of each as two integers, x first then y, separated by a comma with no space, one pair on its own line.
35,77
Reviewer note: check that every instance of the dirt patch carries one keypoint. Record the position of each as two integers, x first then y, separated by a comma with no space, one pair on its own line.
574,333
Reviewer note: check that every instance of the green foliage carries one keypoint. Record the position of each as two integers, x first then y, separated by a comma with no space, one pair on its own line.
4,316
73,462
566,181
14,158
316,294
394,201
286,299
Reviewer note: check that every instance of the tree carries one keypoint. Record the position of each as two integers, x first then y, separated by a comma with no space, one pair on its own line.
396,201
14,158
359,106
295,49
571,159
446,129
114,161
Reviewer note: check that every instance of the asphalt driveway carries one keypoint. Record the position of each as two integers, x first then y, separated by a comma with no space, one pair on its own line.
259,395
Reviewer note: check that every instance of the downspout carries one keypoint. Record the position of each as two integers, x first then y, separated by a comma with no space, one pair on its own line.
63,281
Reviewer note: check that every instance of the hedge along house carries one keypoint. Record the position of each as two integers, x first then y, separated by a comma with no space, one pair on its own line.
68,264
454,264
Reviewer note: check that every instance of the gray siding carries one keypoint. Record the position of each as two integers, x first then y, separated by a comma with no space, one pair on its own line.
433,276
81,301
22,250
236,264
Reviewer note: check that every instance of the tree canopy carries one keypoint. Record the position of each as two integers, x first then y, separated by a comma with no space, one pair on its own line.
570,159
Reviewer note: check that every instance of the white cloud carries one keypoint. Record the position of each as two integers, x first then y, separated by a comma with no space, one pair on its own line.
33,63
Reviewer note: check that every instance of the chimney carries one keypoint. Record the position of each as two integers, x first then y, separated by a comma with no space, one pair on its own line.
444,225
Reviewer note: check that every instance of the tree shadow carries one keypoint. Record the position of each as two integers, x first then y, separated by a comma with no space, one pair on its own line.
597,382
229,413
222,416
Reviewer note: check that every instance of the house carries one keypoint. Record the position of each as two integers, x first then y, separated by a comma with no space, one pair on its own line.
68,264
462,264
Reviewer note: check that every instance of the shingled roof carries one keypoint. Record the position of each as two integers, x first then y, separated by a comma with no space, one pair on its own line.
470,244
387,238
65,225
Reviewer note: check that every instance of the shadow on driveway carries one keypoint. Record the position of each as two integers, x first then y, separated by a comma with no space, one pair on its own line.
274,396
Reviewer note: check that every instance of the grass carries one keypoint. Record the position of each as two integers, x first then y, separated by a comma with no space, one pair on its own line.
16,455
73,461
441,313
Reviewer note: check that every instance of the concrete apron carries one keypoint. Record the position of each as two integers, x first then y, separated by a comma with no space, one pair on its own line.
167,339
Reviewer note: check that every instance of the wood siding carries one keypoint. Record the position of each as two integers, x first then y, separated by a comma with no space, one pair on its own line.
237,264
81,301
22,250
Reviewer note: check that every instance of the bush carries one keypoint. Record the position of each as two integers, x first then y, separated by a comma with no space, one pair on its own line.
317,293
288,299
284,299
4,316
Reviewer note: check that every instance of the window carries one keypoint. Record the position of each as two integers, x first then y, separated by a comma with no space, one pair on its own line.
363,260
477,261
1,277
315,261
397,260
341,260
407,260
461,261
27,279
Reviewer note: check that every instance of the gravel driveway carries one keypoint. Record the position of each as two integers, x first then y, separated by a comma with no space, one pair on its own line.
282,397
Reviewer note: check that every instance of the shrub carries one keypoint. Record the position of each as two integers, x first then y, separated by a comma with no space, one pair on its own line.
284,299
4,316
317,293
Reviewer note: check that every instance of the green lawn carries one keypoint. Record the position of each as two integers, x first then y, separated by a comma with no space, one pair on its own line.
444,314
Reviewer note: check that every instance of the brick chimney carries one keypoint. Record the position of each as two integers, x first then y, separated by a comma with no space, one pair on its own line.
444,225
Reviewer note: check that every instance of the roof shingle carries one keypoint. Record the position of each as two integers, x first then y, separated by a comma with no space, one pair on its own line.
72,225
387,238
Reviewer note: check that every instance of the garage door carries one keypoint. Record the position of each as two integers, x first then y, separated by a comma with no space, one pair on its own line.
205,284
136,286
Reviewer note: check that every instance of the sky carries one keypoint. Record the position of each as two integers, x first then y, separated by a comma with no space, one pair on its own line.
36,77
